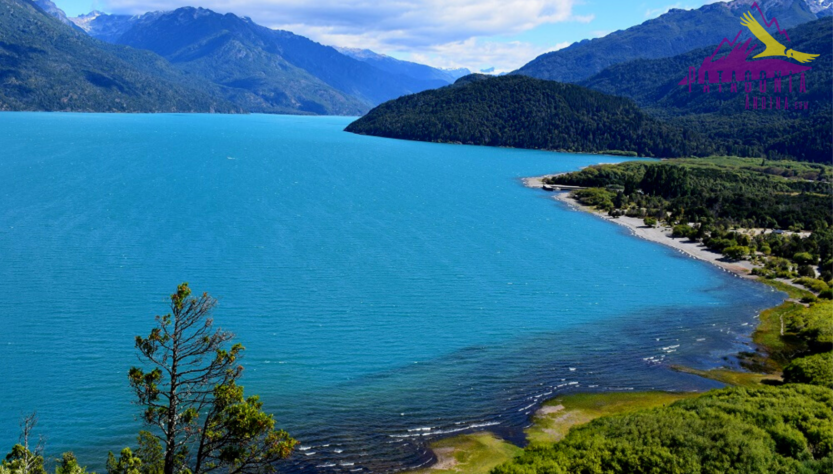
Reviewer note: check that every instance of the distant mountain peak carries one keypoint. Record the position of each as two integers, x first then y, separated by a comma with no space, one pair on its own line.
668,35
361,54
53,10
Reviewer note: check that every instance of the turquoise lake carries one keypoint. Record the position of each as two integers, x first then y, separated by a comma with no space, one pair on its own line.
387,292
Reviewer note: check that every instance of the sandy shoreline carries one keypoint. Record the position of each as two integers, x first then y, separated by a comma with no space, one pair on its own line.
446,456
662,235
659,234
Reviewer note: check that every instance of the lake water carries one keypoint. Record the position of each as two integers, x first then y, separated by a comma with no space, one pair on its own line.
387,292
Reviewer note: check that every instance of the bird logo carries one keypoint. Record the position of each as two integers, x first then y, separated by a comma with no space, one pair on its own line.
773,47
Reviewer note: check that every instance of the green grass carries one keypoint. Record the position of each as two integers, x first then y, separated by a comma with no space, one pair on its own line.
733,377
475,453
581,408
775,350
793,292
478,453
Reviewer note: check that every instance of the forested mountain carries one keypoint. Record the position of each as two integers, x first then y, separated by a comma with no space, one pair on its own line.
802,134
241,57
386,63
262,69
479,110
673,33
521,112
47,65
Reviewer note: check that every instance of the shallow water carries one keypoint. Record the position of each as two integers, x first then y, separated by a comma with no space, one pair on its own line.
387,291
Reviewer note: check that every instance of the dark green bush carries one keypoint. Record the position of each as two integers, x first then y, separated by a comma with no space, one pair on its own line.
815,370
786,429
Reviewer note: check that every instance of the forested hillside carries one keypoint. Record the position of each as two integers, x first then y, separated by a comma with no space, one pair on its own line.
521,112
47,65
481,110
262,69
801,134
672,33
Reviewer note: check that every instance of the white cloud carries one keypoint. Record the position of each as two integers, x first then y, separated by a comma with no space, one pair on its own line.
655,12
477,54
437,28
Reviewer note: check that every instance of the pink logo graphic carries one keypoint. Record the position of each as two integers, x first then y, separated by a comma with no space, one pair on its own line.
736,67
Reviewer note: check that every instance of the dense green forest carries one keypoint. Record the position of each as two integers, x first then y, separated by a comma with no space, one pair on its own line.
504,111
521,112
745,192
711,200
786,429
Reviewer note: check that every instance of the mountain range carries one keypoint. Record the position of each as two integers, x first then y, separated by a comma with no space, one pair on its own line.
267,70
228,58
803,134
673,33
47,65
492,111
406,68
202,60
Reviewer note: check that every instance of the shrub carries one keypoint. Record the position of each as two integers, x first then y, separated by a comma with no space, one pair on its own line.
650,222
814,370
804,258
596,197
811,283
737,430
806,271
683,230
720,244
736,252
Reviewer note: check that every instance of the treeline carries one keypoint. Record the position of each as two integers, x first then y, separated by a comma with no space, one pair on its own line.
746,193
741,208
521,112
667,121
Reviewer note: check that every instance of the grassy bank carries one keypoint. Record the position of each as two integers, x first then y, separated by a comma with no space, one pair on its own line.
785,333
724,205
478,453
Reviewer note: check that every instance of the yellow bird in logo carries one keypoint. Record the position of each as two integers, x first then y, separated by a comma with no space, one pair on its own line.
773,47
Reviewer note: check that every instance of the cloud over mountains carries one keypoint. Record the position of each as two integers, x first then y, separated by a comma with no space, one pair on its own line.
407,26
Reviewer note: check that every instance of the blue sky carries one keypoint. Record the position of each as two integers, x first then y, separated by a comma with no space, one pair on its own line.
476,34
